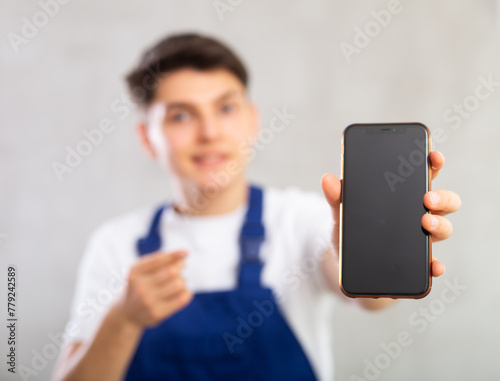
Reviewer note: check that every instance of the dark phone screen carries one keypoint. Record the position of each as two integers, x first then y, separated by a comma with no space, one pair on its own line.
384,247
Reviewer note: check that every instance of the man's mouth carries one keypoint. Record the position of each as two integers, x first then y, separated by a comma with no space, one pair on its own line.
210,160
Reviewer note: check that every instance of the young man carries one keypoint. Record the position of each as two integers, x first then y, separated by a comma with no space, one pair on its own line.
226,281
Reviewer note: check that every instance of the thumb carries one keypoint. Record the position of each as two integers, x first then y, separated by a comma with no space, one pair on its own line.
332,190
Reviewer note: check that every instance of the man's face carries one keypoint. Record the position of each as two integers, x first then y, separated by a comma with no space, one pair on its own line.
201,126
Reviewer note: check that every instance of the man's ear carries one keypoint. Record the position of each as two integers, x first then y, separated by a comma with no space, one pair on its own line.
142,134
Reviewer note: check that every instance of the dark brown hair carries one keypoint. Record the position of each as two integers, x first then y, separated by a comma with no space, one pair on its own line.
179,52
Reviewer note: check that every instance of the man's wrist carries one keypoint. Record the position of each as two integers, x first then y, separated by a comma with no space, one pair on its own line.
122,322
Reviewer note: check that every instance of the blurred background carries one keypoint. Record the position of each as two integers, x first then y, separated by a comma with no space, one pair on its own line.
331,63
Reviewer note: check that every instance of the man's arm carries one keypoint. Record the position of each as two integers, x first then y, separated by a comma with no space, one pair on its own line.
155,290
106,356
439,202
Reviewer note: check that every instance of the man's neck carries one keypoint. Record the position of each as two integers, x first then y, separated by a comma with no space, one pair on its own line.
196,201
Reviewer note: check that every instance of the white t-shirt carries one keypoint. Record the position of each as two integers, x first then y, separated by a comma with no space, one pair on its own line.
298,228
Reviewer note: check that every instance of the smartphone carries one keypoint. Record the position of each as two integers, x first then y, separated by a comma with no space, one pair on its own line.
384,250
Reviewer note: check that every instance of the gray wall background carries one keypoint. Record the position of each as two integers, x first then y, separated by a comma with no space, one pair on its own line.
429,57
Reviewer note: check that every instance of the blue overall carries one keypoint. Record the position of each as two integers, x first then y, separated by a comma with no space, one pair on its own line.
238,334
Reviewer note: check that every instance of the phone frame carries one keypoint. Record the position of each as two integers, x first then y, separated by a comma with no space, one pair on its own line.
428,188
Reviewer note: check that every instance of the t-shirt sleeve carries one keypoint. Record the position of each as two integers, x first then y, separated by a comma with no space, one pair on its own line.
100,281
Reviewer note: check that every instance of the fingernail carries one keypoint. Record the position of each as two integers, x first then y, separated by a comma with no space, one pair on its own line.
434,221
434,198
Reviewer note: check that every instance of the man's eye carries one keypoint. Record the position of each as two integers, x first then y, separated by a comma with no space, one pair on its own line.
180,117
229,108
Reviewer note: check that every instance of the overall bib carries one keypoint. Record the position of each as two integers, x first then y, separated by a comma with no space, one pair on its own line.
238,334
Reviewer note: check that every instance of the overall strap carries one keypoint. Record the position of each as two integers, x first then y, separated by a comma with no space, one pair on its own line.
152,242
251,237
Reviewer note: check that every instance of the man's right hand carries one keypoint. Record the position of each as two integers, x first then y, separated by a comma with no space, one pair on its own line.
155,289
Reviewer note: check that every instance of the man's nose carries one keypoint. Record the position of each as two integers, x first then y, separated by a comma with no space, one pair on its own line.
210,128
